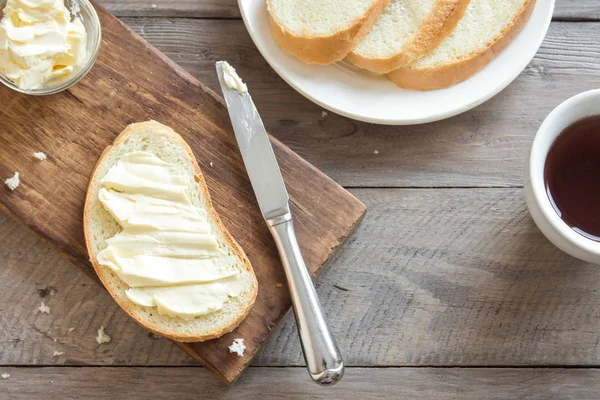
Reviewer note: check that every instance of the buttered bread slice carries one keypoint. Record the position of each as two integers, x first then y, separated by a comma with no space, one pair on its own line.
405,31
321,32
487,27
157,243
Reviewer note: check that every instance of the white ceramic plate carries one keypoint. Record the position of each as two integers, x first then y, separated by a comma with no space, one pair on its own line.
353,93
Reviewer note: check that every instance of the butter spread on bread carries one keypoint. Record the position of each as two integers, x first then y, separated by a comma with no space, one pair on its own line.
157,243
166,252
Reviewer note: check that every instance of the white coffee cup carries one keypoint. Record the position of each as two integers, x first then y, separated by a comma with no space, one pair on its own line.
545,216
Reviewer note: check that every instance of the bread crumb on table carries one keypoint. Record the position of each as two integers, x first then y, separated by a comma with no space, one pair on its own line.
324,114
102,336
40,156
5,376
237,347
58,353
71,329
279,285
44,309
376,152
211,163
13,182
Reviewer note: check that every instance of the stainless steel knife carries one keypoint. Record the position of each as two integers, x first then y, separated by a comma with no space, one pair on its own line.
323,359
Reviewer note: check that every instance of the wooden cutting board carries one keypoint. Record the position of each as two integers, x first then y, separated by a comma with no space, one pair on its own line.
133,82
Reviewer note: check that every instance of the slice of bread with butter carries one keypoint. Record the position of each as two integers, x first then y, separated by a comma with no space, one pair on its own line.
157,243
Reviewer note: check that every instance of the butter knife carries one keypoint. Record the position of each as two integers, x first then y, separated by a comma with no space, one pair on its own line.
323,359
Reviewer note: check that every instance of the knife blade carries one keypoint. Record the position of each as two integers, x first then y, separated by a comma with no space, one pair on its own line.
257,153
323,359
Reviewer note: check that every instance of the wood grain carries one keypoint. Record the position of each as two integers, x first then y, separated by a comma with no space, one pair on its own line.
480,289
33,273
565,9
432,277
292,383
484,147
133,82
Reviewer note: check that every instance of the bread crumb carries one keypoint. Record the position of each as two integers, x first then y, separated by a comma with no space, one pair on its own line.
55,340
40,156
237,347
13,182
376,152
71,329
154,6
5,376
324,114
44,309
58,353
102,337
279,284
211,163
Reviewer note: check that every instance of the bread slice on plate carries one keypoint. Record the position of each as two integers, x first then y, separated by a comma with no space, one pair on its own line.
405,31
321,32
487,27
99,225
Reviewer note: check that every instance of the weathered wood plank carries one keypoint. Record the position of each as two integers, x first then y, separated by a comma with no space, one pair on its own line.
293,383
171,8
577,10
485,147
565,9
443,277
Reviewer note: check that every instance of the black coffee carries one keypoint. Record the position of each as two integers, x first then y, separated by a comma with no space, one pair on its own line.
572,175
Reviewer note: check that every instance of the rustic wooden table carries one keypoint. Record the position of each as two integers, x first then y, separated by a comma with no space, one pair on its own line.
447,290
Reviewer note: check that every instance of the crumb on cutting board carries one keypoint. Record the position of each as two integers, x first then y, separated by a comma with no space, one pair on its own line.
376,152
237,347
44,309
5,376
13,182
71,329
57,353
324,114
102,336
40,156
279,284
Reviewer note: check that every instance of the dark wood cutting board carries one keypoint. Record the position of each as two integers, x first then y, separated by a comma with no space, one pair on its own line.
134,82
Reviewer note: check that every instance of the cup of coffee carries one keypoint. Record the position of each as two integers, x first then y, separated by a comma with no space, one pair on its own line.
562,177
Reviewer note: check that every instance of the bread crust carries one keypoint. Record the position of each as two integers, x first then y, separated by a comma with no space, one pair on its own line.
103,271
446,75
325,49
440,22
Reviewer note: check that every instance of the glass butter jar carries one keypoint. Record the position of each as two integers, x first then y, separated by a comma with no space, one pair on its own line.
84,10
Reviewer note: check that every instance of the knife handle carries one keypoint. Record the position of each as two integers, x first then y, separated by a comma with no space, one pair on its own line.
323,359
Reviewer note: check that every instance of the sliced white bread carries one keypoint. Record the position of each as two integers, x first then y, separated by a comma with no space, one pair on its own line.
321,32
487,27
405,31
99,225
